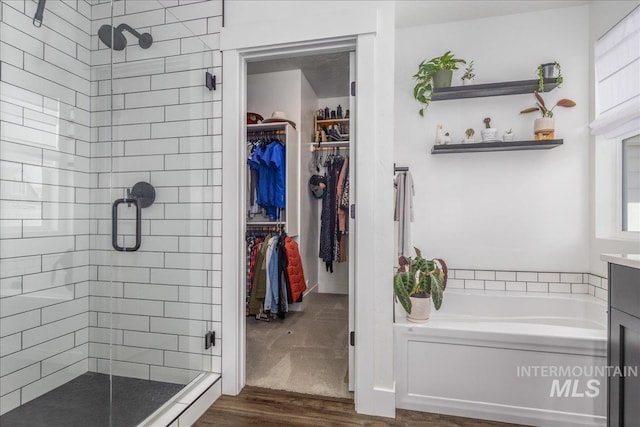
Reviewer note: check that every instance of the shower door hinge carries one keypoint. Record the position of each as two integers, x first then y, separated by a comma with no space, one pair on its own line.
210,81
353,88
209,339
352,338
353,211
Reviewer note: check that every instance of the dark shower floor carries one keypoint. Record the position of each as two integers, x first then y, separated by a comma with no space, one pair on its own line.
84,401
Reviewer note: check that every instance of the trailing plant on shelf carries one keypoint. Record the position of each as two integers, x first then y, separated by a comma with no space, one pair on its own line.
429,75
542,107
418,279
546,70
468,73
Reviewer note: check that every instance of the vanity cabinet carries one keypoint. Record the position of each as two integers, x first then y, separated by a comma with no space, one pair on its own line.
623,344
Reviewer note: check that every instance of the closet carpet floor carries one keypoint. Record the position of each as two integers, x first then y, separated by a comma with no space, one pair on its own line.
307,352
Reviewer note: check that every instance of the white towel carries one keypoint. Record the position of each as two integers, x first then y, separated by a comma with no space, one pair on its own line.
404,211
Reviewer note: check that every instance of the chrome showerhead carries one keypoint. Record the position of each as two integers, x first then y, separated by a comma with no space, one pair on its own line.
107,34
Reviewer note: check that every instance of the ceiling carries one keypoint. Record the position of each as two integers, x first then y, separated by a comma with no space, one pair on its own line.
414,12
328,74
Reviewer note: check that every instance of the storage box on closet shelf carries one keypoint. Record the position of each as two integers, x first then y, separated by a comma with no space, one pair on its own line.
331,125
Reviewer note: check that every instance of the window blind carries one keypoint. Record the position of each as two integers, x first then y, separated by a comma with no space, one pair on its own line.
617,68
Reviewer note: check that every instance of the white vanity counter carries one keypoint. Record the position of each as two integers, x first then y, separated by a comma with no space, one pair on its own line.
629,260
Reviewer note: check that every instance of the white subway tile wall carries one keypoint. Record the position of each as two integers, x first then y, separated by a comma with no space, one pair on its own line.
44,209
529,281
161,295
60,159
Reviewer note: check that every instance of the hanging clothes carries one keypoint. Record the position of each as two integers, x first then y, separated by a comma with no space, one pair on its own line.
267,175
404,211
333,222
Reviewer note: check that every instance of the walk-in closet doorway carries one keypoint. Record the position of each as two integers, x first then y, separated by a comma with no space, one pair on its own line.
301,220
302,104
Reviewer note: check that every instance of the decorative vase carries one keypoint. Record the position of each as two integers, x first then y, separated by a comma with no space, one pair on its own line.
489,134
442,78
544,128
420,310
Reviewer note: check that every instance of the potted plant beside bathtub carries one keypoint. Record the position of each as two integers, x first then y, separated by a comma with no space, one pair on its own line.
417,282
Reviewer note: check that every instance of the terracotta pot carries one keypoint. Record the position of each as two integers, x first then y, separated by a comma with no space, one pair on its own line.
544,128
442,78
420,310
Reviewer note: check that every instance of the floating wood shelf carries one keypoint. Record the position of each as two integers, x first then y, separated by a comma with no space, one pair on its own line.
477,147
491,89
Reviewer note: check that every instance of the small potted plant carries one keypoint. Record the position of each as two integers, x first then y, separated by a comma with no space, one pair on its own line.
468,75
489,133
544,127
546,71
469,136
433,74
508,135
417,282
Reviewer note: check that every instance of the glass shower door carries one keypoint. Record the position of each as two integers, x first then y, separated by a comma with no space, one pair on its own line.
154,305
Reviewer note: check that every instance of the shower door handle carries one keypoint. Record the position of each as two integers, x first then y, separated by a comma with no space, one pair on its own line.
114,225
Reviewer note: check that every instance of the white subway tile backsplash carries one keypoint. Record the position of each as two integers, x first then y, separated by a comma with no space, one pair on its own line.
485,275
54,380
123,369
495,285
516,286
10,267
10,344
18,379
154,146
549,277
151,292
151,340
506,275
195,328
537,287
126,306
579,288
65,309
131,322
9,401
62,360
173,375
464,274
560,287
31,355
523,276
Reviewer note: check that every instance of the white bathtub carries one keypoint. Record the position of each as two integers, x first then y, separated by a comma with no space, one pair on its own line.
477,357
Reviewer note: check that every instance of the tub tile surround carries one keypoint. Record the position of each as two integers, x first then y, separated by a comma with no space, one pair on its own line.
529,281
55,198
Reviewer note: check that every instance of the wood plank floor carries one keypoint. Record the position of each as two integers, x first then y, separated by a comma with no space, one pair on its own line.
258,406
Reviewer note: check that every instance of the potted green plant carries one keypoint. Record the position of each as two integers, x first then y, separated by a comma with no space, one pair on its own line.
468,75
508,135
417,282
489,133
433,74
544,127
546,71
469,136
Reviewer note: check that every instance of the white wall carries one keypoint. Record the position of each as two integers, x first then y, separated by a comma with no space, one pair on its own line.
251,26
511,210
603,16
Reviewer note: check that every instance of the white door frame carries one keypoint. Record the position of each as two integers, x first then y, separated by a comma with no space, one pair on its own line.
374,383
